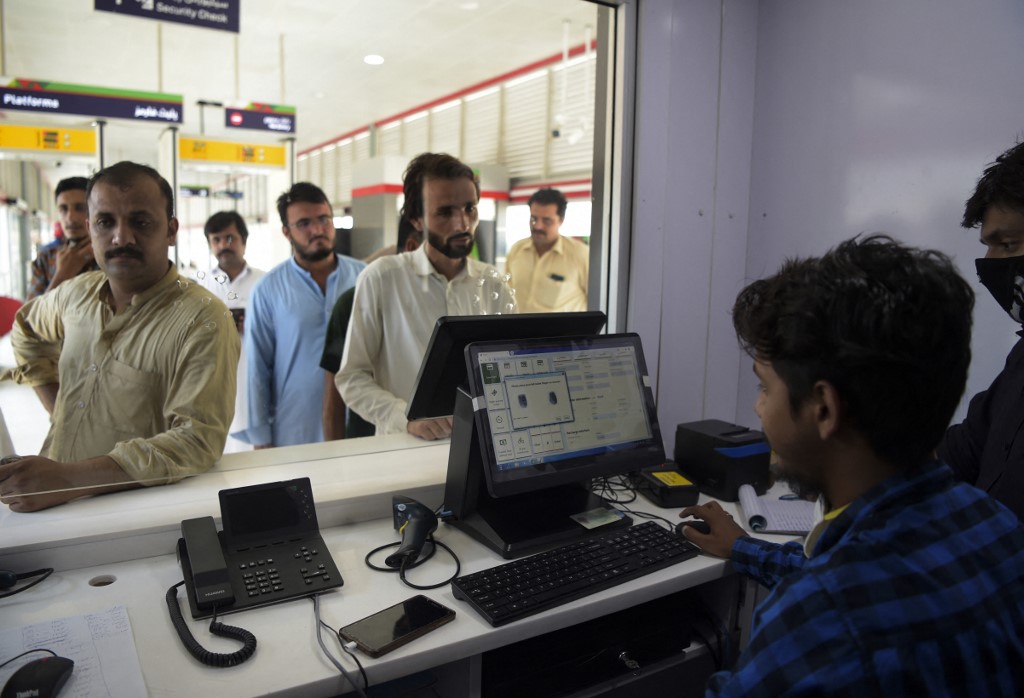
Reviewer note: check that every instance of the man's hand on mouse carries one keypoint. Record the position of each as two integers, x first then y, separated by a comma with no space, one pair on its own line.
724,531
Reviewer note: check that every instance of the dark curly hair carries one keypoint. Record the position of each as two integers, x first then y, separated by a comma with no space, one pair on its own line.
300,193
888,325
1002,184
431,166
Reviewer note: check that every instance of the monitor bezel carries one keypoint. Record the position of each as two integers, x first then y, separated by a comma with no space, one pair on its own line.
443,368
614,461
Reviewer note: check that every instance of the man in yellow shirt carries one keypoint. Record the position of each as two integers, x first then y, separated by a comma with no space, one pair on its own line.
548,271
144,389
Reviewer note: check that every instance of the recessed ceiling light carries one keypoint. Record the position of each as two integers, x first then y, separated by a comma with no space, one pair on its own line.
373,59
470,6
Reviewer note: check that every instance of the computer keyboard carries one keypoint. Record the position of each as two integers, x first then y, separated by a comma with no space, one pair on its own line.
533,584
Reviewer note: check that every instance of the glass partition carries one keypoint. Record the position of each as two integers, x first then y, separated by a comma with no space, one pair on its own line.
515,84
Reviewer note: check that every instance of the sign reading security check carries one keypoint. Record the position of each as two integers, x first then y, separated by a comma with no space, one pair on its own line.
212,14
22,94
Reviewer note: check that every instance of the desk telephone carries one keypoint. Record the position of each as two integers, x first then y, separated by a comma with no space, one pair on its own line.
269,551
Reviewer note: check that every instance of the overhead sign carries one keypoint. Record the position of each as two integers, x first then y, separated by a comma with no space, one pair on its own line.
21,94
226,152
211,14
69,141
262,117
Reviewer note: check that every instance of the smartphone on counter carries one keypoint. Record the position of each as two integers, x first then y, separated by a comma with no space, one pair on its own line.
396,625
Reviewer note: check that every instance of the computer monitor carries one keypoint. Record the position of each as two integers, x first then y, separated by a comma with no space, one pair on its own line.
443,369
545,417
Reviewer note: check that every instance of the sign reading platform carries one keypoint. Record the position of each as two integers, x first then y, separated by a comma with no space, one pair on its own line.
22,94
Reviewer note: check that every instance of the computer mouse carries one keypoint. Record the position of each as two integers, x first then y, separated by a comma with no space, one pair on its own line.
697,524
44,677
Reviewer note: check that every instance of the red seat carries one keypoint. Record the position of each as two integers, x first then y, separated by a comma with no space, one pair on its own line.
8,307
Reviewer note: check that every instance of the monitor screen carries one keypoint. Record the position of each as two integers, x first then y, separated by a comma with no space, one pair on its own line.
443,370
555,411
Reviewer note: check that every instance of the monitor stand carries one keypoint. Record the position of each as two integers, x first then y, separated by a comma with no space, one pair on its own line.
517,525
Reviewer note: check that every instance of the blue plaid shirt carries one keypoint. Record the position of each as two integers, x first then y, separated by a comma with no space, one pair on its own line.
916,589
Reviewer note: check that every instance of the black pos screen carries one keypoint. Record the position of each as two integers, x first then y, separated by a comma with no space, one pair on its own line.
555,411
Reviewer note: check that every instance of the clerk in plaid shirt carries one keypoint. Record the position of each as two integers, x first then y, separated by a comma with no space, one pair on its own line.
913,584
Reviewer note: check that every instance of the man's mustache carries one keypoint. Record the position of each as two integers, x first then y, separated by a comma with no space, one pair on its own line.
127,251
224,252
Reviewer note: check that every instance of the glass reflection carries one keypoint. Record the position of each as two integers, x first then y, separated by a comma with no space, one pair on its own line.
548,114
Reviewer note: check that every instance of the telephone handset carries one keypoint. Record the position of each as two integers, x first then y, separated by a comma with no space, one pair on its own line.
210,582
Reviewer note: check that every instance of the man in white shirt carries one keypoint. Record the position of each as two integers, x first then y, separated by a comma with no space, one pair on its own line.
232,281
549,271
399,298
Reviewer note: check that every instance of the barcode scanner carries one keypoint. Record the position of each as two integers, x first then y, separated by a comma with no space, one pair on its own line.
415,522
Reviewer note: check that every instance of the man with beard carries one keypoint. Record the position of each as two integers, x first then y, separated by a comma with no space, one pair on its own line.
399,298
128,360
286,322
549,272
232,280
913,583
70,255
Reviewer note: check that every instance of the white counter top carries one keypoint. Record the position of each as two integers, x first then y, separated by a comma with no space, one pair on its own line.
353,480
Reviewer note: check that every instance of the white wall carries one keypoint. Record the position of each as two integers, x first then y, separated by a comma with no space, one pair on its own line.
695,99
849,116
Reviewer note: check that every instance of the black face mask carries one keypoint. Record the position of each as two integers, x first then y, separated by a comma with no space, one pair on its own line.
1004,279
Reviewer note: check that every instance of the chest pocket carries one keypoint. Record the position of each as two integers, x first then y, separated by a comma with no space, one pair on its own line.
133,403
551,293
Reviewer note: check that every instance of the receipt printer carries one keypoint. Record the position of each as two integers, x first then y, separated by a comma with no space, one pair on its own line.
719,457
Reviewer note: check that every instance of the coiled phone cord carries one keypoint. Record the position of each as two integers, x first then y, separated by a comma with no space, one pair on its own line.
215,659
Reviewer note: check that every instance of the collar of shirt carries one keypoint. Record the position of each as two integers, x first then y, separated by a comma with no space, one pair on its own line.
241,275
139,299
308,276
421,263
557,248
822,519
910,484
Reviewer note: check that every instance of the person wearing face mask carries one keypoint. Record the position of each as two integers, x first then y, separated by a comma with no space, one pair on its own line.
987,448
72,254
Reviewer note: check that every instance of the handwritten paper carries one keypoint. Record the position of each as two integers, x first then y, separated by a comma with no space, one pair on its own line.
100,644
